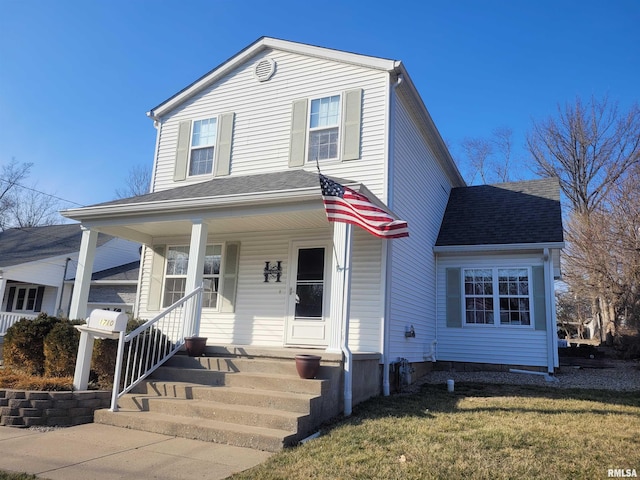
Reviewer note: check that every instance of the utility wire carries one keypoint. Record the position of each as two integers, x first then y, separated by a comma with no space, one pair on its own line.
41,192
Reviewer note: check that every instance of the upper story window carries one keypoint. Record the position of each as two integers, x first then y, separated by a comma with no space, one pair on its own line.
506,289
203,141
324,128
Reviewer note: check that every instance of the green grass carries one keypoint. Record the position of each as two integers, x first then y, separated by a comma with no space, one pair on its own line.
16,476
479,432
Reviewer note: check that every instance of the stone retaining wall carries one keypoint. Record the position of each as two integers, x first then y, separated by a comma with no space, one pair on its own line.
20,408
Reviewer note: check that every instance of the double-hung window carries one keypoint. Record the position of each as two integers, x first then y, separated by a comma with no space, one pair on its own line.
203,141
324,128
513,291
506,290
176,275
25,299
478,292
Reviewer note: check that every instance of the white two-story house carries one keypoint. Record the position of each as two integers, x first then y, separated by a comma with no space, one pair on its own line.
236,206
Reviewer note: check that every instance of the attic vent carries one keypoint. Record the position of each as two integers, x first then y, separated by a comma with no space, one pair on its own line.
265,69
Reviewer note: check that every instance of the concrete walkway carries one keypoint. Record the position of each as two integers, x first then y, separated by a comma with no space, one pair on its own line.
100,452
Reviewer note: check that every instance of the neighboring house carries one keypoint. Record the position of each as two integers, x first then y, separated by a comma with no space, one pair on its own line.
37,266
235,193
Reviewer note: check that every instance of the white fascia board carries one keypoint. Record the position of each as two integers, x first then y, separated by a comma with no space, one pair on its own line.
211,202
255,48
331,54
496,247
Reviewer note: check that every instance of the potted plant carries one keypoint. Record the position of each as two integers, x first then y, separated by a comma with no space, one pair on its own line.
195,346
307,365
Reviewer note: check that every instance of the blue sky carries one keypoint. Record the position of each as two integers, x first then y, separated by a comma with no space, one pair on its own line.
77,77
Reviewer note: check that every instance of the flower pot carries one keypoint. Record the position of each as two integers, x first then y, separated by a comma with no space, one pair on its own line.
195,346
307,365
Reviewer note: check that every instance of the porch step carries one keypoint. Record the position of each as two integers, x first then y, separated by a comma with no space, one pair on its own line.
231,413
261,438
259,380
290,401
248,399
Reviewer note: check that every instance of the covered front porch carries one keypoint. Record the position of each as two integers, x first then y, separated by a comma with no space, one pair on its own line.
275,273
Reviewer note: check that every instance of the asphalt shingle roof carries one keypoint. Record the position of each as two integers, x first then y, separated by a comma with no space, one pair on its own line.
22,245
265,182
501,214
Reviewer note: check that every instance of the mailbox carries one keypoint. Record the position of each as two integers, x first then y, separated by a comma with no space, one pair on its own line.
100,324
107,321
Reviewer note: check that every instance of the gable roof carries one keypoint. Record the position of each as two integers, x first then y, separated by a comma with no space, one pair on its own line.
518,213
266,43
23,245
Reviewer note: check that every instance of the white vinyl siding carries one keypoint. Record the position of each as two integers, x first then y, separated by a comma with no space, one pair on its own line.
261,307
262,127
421,195
494,344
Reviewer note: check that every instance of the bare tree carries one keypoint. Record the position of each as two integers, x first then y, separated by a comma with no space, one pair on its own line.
32,208
588,147
490,158
594,150
477,152
11,175
137,183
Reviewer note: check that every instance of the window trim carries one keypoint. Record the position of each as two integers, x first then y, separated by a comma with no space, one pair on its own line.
496,296
219,275
192,148
25,300
339,125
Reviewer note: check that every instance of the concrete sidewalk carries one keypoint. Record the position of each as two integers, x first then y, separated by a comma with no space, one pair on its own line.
100,452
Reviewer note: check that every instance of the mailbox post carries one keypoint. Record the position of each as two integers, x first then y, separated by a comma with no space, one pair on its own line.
100,324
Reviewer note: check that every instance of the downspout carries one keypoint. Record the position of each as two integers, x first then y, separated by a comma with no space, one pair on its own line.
386,342
551,328
64,277
432,349
346,311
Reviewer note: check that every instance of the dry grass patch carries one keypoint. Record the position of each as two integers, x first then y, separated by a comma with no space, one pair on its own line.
480,432
15,379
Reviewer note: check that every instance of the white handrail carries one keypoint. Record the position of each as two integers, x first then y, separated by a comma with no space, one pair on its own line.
8,319
151,344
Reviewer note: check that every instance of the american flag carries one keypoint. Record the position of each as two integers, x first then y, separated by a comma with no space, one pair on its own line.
345,205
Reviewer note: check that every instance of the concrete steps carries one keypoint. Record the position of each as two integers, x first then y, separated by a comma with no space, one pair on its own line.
242,399
261,438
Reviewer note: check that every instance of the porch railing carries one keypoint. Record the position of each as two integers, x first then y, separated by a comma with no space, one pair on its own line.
7,319
151,344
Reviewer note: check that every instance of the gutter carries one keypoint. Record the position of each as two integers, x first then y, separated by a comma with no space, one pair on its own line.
496,247
188,205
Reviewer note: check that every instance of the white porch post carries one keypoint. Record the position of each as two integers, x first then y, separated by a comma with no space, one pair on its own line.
3,286
197,250
336,299
341,304
86,257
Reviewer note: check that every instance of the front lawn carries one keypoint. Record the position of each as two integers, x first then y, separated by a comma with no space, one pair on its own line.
479,432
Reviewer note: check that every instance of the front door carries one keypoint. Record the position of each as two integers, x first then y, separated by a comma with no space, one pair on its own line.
308,289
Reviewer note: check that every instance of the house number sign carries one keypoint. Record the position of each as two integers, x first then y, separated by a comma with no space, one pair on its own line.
107,321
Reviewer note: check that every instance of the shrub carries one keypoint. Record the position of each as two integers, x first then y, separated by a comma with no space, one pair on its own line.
11,378
61,350
103,359
23,346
